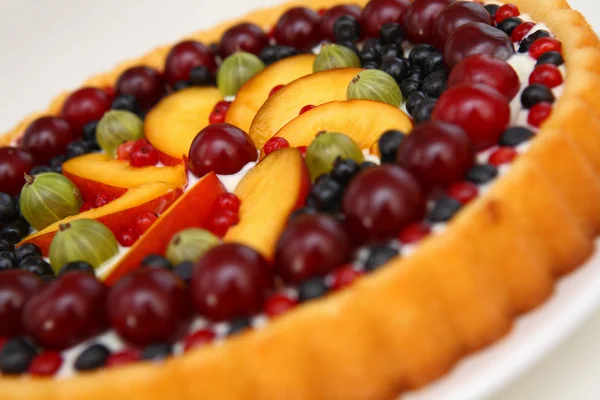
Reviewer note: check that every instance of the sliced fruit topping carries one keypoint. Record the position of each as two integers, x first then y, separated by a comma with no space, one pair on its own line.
190,244
326,148
375,85
174,122
284,105
334,56
268,194
236,70
117,127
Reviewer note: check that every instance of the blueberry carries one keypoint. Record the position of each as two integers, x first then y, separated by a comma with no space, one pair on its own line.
274,53
40,169
201,76
370,65
214,49
92,358
27,249
76,266
434,62
413,99
481,174
391,51
37,265
8,208
344,170
346,28
372,43
312,289
416,73
156,261
528,41
184,271
79,147
408,86
397,68
6,245
7,260
303,211
534,94
57,162
125,102
515,136
14,231
326,194
89,130
551,57
351,46
391,33
509,24
379,254
434,84
492,8
157,351
370,54
180,85
239,325
388,145
367,165
444,209
419,54
422,111
16,355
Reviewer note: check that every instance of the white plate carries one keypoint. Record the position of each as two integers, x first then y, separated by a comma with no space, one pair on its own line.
50,46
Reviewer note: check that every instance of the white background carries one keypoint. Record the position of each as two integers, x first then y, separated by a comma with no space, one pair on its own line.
48,46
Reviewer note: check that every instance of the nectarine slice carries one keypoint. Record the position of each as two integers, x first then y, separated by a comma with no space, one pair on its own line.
119,213
255,92
97,172
172,124
362,120
269,193
189,211
285,104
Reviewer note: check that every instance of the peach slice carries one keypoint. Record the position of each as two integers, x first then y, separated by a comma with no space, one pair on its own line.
269,193
362,120
172,124
154,197
190,210
256,91
97,172
285,104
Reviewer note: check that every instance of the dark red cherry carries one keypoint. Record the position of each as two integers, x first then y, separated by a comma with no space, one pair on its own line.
486,70
380,201
185,56
14,164
149,305
47,137
379,12
481,111
419,19
332,14
229,281
66,310
243,37
16,286
85,105
298,27
477,38
436,153
311,246
456,15
143,83
221,148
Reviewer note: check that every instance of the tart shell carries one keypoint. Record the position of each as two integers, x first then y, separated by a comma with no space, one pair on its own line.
410,322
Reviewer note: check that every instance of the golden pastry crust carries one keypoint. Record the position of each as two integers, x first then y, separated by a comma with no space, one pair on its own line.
410,322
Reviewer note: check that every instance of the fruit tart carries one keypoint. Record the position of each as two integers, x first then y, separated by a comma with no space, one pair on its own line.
317,200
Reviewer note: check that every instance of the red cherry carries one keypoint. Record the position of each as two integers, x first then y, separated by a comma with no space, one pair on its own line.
463,191
477,38
144,83
278,304
88,205
123,357
66,310
229,281
419,19
144,221
311,246
379,12
85,105
521,31
546,74
302,150
243,37
219,112
544,45
220,222
110,91
502,155
199,338
414,233
275,143
221,148
45,364
142,154
229,202
436,153
487,70
330,16
539,113
127,236
124,149
14,164
3,341
298,27
456,15
103,198
344,277
506,11
482,112
149,305
322,11
306,108
185,56
16,286
380,201
47,137
275,89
